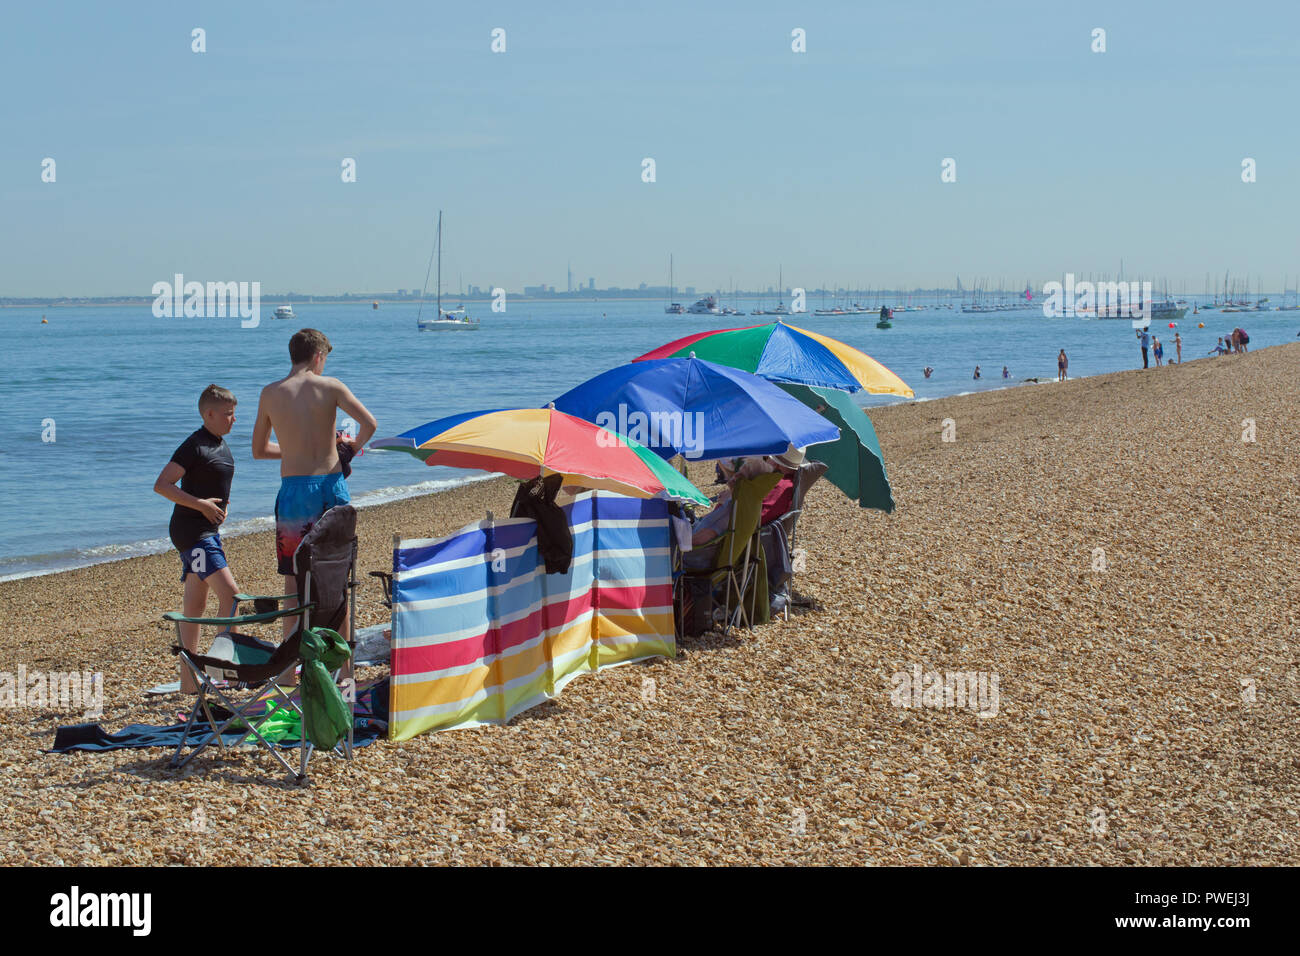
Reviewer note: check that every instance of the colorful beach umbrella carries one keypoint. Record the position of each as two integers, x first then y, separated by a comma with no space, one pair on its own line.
697,409
785,353
854,462
527,443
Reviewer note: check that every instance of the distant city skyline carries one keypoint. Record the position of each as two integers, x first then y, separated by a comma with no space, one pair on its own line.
1240,287
313,147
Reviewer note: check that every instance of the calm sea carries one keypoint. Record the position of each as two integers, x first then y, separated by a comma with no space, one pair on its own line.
121,388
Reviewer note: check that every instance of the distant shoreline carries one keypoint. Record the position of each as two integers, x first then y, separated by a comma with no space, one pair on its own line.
60,302
318,300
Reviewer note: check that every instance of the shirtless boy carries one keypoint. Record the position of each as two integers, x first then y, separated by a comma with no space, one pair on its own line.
301,408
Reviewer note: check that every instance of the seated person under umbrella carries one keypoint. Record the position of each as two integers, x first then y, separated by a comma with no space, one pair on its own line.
776,503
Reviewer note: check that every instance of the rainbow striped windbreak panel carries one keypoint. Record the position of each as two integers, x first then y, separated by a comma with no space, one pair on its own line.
481,632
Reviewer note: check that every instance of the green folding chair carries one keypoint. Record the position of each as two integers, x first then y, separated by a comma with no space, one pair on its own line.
732,556
324,566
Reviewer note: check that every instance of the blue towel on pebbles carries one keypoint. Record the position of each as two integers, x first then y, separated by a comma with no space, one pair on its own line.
369,724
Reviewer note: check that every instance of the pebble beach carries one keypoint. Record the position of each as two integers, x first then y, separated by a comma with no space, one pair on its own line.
1120,551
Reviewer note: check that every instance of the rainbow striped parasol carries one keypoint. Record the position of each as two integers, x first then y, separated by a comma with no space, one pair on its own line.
527,443
784,353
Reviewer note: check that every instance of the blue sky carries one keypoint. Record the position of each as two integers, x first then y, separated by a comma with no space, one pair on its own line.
226,165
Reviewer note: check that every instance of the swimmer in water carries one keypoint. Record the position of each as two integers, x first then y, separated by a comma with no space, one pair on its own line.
928,371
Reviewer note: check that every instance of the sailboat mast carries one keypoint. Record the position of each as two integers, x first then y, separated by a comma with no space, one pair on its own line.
440,263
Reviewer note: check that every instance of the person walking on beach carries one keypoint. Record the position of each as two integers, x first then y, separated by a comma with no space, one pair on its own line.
301,409
205,468
1158,351
1062,363
1178,347
1146,342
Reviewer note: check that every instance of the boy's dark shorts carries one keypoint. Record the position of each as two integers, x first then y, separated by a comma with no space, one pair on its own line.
205,558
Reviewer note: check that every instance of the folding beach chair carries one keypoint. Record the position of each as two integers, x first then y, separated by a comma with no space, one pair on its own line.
324,565
807,476
386,581
730,561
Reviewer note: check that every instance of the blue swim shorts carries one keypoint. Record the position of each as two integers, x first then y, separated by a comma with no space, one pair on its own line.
205,558
302,500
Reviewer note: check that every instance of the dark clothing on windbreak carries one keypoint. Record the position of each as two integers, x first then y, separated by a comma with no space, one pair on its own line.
209,469
536,499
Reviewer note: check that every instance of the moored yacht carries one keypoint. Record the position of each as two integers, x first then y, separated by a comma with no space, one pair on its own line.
705,306
448,320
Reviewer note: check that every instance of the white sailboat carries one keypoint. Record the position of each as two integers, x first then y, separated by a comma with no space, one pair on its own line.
673,308
780,296
448,320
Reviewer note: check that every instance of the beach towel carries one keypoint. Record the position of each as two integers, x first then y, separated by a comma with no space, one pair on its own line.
370,722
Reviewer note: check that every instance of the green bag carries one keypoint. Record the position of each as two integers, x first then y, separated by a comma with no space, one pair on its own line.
326,715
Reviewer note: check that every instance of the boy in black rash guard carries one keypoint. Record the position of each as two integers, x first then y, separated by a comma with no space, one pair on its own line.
205,467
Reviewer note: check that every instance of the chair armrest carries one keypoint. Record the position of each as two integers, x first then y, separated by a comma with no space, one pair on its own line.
264,597
785,520
242,619
386,582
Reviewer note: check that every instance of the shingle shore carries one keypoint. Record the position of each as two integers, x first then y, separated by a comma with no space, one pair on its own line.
1146,713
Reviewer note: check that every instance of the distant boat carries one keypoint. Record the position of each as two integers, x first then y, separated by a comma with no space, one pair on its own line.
705,306
673,308
454,320
1290,302
284,312
780,298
